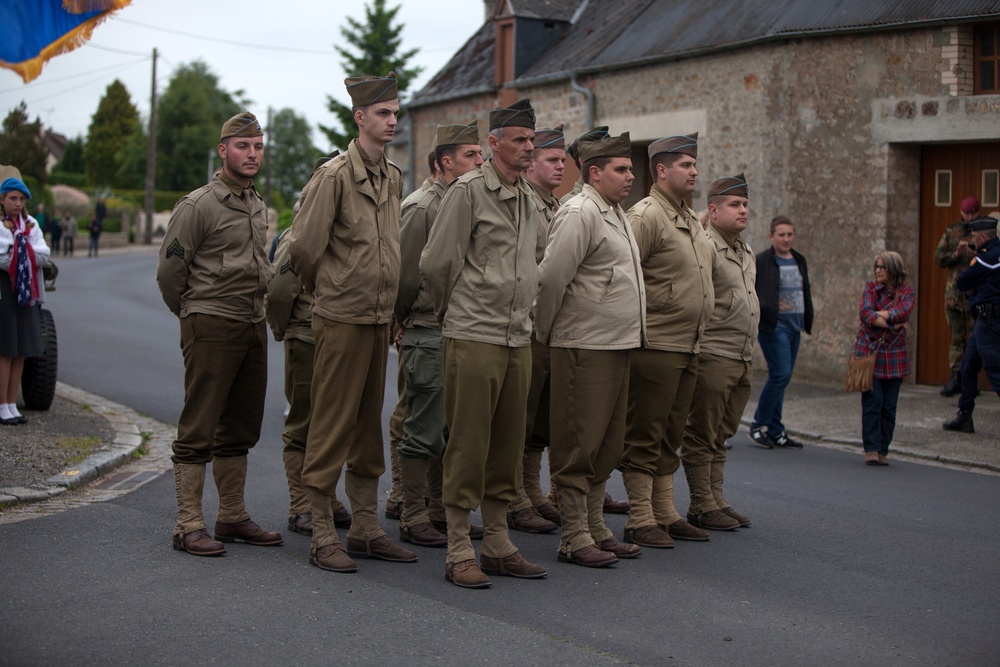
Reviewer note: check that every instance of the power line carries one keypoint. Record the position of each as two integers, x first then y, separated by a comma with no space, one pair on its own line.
121,68
114,50
217,40
35,84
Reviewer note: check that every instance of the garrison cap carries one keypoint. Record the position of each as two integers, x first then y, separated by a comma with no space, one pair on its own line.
518,114
620,146
323,160
243,124
550,137
457,134
984,223
367,90
600,132
679,143
735,186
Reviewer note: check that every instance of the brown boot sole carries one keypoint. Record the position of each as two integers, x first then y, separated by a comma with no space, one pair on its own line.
478,584
342,570
256,543
566,558
179,547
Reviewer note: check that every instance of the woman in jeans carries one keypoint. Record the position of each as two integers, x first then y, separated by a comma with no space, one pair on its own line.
885,311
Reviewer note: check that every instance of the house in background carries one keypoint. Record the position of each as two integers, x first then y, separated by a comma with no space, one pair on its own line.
865,123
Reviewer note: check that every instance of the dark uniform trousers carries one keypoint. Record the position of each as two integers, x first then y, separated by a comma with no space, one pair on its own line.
661,384
225,380
347,393
424,430
536,424
720,396
589,401
299,359
960,324
981,352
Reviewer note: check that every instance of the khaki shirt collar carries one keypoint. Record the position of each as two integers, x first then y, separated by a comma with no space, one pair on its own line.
679,212
362,164
609,212
546,197
495,182
233,188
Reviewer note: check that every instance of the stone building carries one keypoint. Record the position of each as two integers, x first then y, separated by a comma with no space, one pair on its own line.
865,123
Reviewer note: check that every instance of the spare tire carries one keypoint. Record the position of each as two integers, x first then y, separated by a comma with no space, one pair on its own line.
38,381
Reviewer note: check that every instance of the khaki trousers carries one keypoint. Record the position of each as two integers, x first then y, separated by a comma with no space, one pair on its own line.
721,394
347,392
589,401
225,380
536,430
660,388
485,388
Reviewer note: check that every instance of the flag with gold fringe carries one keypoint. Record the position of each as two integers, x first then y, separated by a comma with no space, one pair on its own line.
36,31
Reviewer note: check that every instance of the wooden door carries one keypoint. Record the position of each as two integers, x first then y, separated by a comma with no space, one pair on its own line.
962,167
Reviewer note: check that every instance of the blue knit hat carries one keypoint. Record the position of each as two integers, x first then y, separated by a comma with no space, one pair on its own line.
11,184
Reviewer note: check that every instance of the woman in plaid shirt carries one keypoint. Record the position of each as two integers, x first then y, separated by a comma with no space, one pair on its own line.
885,314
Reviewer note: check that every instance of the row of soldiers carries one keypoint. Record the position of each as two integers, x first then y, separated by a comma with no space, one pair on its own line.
629,335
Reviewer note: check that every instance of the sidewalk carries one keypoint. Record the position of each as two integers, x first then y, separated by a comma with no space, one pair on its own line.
828,415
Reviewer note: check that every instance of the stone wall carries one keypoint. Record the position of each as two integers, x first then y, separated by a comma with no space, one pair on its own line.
827,130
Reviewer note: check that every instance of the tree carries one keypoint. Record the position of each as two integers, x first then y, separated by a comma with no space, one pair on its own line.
110,127
72,159
377,41
21,144
189,115
291,154
131,160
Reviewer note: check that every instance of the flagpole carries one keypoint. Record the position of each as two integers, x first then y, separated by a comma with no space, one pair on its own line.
151,158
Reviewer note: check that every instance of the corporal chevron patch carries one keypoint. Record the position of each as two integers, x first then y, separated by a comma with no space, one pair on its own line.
175,250
286,267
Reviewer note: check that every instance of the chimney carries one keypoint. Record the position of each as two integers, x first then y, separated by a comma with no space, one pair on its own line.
488,7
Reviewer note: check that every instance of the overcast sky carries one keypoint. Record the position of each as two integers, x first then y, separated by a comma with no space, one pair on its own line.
279,53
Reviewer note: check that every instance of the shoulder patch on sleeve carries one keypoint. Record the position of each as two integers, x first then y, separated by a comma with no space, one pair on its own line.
286,267
175,250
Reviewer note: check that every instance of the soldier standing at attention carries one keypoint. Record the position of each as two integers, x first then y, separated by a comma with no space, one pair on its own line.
345,248
954,253
479,267
223,338
725,365
600,132
424,430
589,311
677,261
532,512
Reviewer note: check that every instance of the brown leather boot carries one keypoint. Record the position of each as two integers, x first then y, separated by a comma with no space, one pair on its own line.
514,565
619,549
713,520
589,556
743,520
612,506
331,557
198,543
301,523
466,574
247,531
649,536
529,520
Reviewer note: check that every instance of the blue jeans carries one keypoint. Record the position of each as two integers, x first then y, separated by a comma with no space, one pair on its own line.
878,414
780,347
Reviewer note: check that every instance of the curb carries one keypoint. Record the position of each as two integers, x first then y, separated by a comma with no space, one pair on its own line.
855,443
126,442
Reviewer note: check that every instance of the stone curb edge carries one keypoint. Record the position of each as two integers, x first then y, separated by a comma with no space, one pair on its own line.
855,443
127,440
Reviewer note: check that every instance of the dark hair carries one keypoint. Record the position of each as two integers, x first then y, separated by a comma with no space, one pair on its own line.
441,151
599,162
666,159
432,162
780,220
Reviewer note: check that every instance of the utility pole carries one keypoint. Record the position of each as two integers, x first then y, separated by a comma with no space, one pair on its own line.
147,237
267,163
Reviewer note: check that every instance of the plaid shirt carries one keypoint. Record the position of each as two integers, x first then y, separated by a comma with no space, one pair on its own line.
893,361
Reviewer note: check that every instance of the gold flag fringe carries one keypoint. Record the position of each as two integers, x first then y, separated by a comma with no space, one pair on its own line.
31,69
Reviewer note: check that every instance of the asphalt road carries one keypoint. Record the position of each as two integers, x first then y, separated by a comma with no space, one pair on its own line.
844,565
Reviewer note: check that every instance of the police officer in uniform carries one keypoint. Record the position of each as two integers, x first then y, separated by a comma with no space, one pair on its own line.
223,338
982,351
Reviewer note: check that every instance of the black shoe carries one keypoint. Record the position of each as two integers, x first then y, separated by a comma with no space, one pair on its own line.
962,422
954,385
782,440
760,437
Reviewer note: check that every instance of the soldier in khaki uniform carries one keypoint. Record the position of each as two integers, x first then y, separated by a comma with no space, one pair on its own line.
590,312
479,267
223,338
677,271
345,248
424,430
954,254
725,363
290,319
600,132
532,512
